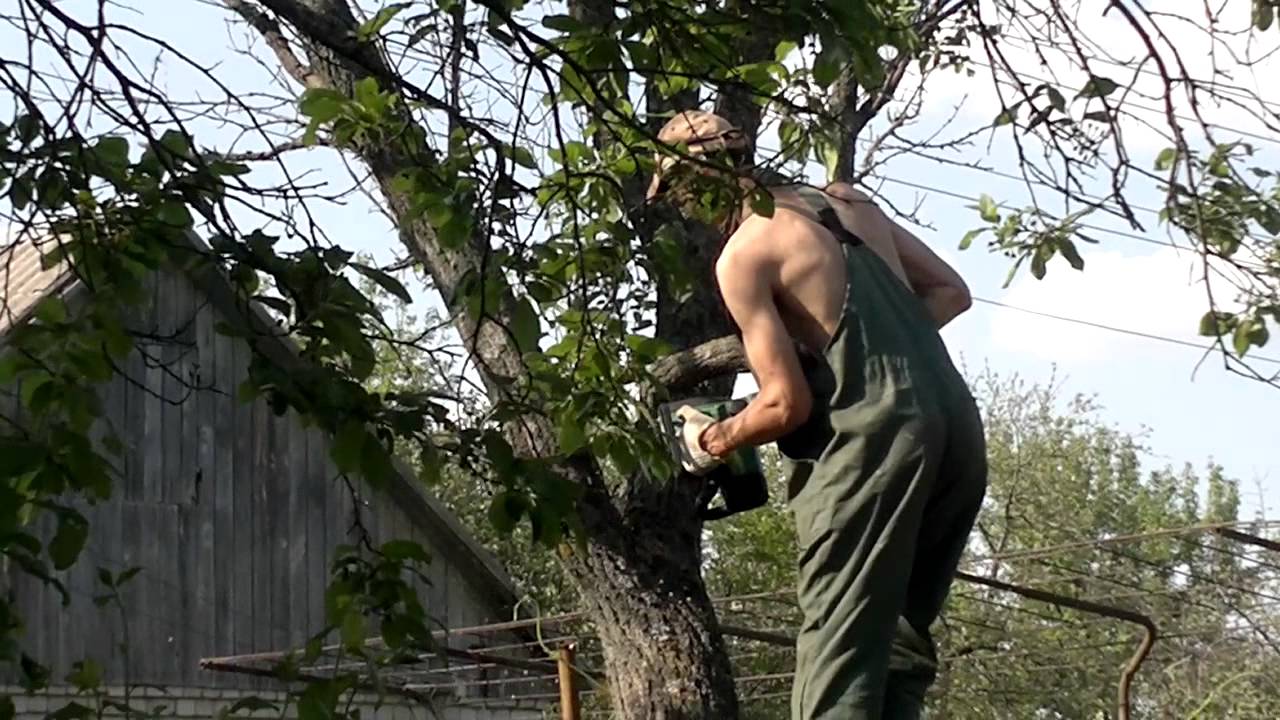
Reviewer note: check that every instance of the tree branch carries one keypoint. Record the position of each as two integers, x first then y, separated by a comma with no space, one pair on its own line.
275,39
707,361
270,153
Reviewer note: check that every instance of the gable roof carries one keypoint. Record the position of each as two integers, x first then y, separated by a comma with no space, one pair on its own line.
24,282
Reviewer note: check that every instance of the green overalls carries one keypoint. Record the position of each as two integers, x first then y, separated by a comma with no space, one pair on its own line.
885,481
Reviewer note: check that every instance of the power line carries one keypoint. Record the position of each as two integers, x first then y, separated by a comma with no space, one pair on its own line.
970,198
1240,92
1112,328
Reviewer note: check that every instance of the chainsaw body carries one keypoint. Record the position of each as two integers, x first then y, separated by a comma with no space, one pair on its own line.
739,481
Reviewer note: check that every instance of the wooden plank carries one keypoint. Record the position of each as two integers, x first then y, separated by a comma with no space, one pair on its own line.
222,403
178,627
190,645
103,543
280,483
296,548
317,545
133,537
258,487
243,501
168,352
134,402
50,611
204,409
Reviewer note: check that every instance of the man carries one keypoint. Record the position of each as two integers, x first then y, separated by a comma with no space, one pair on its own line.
884,445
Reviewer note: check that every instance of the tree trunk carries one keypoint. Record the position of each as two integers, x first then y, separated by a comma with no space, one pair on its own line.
641,585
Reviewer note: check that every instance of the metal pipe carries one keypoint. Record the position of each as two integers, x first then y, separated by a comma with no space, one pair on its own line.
1139,655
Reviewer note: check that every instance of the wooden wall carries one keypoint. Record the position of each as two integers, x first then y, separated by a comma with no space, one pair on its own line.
231,512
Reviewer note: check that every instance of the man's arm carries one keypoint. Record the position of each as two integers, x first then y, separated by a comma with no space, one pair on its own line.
746,279
941,288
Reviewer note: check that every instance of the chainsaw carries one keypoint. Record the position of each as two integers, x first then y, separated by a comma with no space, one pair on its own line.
739,481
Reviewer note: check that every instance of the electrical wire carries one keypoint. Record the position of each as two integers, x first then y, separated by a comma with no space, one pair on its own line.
1112,328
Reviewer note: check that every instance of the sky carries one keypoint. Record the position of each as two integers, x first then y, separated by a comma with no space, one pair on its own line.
1144,386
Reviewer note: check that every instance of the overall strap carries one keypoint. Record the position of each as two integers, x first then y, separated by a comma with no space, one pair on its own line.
820,204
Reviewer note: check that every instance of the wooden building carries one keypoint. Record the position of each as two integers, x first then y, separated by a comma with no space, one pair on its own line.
231,511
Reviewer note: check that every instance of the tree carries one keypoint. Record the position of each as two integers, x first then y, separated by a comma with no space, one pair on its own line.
521,208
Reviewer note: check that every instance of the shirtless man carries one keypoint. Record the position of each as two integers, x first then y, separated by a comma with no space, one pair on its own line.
883,442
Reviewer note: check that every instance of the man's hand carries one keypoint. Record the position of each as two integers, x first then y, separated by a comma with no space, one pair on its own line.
700,461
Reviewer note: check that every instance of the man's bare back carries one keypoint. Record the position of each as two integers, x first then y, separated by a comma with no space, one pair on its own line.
806,262
783,280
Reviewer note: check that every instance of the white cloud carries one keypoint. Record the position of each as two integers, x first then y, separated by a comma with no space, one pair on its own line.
1159,294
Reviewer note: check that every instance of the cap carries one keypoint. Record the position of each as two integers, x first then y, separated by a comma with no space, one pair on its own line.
699,131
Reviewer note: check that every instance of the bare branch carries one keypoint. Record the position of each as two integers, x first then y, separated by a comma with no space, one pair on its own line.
275,39
270,153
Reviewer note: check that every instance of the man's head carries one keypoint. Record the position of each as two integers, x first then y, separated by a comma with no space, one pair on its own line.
694,187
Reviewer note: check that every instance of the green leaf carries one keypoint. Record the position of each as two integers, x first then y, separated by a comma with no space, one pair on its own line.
1098,86
174,215
563,23
375,24
112,151
34,675
762,202
572,436
1269,219
1004,118
85,675
401,550
1259,335
1038,266
69,540
969,237
20,191
987,208
126,576
375,463
1240,339
827,66
353,633
367,92
525,326
523,157
783,49
1068,250
7,710
1101,116
71,711
19,457
322,104
252,705
506,509
348,445
384,280
51,310
1214,323
1263,14
1166,158
177,143
1056,99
